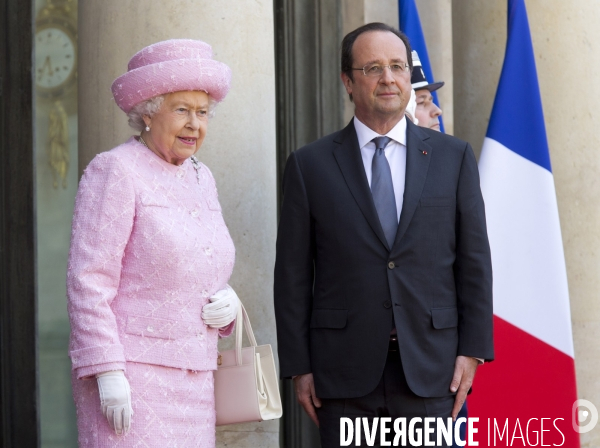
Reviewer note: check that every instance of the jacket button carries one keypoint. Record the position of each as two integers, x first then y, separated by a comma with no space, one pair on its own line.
387,304
391,265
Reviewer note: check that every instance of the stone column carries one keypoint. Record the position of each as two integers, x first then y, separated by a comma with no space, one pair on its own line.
479,40
240,145
565,40
437,27
358,12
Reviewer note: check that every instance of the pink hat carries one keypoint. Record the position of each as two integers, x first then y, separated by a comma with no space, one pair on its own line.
171,66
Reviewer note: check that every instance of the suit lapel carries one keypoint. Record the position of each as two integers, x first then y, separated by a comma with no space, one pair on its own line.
348,157
417,164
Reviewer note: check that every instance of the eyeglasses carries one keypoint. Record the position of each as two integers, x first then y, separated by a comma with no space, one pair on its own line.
374,70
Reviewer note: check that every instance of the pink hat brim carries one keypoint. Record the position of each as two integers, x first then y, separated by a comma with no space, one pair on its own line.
146,82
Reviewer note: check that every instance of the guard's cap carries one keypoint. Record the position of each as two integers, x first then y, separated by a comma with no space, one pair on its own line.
418,79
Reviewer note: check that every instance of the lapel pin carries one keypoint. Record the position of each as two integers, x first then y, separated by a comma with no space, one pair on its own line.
424,152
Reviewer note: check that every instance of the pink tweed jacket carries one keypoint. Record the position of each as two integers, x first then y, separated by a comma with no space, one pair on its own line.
148,248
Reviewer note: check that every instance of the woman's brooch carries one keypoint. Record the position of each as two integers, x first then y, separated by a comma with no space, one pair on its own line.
196,164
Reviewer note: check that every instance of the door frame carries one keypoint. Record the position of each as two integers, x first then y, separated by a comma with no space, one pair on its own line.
19,413
309,105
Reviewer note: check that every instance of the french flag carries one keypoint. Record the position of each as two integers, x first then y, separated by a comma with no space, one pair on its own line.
533,377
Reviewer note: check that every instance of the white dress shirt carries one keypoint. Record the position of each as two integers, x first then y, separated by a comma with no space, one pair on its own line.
395,152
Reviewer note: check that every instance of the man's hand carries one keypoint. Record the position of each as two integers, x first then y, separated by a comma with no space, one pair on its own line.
464,372
304,385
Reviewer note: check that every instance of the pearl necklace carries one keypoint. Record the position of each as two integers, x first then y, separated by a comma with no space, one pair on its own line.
193,159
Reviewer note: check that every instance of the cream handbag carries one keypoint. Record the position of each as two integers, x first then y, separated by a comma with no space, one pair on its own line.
246,383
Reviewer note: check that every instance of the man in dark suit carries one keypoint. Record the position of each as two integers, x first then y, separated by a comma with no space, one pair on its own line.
383,281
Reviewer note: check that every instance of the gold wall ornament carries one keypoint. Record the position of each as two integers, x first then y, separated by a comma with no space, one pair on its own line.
58,144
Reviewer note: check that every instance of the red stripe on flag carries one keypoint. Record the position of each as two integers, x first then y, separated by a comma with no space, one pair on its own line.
528,380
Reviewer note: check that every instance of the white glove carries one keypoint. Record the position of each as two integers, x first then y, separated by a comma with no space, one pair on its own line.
411,107
222,309
115,400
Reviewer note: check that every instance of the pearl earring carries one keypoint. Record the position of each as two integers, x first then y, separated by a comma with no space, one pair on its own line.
147,128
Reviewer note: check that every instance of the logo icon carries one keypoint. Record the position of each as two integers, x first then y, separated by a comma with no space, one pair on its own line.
584,416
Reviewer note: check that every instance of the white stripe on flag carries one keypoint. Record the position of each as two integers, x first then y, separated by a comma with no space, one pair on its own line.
530,281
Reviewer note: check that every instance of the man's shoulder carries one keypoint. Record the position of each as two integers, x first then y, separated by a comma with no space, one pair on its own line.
436,138
447,148
325,145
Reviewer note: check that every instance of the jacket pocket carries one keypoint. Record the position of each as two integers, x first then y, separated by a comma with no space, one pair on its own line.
148,200
323,318
442,201
444,317
153,327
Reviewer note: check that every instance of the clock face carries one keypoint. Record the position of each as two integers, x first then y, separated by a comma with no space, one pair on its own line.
54,58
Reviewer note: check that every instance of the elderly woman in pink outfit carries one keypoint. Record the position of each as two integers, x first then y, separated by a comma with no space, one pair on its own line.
150,260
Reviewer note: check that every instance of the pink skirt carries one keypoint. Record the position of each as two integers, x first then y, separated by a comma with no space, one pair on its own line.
172,408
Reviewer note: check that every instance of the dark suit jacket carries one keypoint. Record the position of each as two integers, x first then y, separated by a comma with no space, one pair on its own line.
339,288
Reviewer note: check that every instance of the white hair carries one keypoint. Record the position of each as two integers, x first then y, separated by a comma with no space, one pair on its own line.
152,105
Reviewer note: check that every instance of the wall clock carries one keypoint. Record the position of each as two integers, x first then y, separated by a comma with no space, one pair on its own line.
55,55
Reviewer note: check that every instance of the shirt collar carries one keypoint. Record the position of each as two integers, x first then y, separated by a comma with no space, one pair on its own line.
365,134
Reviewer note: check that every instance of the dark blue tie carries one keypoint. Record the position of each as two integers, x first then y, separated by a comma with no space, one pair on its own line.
382,190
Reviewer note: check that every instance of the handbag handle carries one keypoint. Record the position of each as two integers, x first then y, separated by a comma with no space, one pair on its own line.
242,318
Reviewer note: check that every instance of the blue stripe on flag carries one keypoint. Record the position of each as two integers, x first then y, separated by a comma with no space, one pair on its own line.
410,24
517,119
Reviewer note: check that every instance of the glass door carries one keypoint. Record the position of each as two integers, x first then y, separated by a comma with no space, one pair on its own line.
56,178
